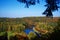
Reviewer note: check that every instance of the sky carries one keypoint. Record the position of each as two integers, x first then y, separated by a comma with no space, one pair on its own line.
13,9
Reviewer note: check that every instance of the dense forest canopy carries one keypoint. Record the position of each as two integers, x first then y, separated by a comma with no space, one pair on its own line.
12,28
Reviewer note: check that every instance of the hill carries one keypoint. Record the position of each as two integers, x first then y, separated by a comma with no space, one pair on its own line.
42,25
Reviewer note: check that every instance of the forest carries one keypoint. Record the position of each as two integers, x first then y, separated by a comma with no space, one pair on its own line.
30,28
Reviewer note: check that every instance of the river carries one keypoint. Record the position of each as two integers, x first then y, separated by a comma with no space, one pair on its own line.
28,30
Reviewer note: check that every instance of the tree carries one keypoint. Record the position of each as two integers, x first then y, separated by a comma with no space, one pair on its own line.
55,35
32,36
28,2
52,5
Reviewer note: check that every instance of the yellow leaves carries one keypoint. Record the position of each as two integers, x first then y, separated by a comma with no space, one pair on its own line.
22,34
45,27
31,35
38,30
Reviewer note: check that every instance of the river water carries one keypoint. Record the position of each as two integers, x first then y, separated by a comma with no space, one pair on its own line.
27,31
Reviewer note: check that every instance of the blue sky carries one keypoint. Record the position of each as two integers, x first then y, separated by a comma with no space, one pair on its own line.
12,8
